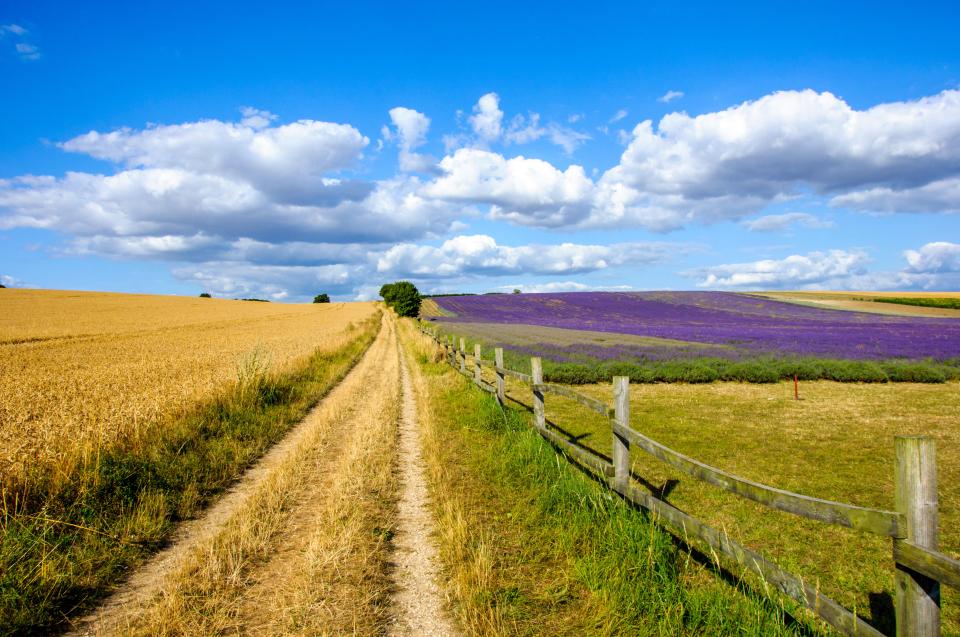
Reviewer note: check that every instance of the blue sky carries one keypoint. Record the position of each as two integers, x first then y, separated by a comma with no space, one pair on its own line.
279,151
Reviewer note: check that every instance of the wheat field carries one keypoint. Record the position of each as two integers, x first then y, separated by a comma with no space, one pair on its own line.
82,371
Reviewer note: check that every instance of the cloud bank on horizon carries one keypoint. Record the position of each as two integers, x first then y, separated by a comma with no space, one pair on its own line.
262,207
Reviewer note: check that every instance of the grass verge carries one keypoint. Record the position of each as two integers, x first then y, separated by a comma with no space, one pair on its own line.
531,546
60,552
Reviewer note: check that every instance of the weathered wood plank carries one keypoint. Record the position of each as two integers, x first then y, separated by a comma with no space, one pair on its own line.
687,526
933,564
581,455
621,446
598,406
527,378
876,521
498,363
539,409
917,595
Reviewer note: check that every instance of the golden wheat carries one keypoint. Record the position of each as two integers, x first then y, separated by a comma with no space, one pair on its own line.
80,371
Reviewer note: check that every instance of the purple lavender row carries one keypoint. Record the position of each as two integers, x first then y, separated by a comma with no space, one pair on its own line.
746,323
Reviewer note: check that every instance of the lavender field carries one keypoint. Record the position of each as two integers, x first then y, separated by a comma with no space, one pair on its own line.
714,326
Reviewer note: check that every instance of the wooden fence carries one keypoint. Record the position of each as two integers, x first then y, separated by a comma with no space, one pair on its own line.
912,525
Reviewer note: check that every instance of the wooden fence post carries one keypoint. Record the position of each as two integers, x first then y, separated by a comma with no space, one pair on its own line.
477,373
621,446
498,361
463,355
917,596
539,412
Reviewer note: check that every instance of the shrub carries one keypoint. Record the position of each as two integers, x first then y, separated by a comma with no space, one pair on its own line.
205,295
321,298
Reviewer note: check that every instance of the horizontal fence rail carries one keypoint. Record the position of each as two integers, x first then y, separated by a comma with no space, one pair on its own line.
920,568
848,515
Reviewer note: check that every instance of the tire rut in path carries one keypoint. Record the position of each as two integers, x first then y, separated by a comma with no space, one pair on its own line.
418,606
147,580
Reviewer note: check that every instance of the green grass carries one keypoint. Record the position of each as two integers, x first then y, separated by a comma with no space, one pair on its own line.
752,370
568,557
836,443
59,554
945,303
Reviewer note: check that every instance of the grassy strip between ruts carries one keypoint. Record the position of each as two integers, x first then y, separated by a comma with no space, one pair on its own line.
763,369
59,554
531,546
945,303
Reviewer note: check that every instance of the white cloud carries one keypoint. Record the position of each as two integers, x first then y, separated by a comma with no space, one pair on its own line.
412,127
795,271
551,287
618,116
770,146
938,196
27,51
524,130
939,257
277,282
480,255
574,118
782,222
9,281
669,96
527,191
290,163
256,118
15,29
487,119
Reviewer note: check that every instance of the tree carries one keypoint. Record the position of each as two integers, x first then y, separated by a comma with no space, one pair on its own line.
387,291
2,285
205,295
516,290
321,298
403,297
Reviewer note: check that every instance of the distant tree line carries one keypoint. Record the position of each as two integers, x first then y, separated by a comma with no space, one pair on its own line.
403,297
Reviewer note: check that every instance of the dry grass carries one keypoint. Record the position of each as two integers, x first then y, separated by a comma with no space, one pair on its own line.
82,371
305,549
863,302
464,548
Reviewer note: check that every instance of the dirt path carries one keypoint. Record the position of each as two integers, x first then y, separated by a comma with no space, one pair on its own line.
301,545
417,601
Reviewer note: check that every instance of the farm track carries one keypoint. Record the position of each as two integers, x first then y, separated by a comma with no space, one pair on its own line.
302,543
417,600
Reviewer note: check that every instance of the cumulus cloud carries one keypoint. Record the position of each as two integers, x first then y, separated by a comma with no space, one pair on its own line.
733,163
669,96
481,255
779,223
487,118
939,257
938,196
292,164
277,282
528,191
795,271
788,139
411,133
